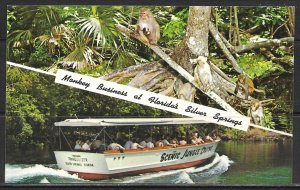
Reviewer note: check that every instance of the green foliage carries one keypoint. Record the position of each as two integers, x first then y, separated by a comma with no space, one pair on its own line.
40,57
34,103
175,28
235,134
256,65
268,119
10,18
85,38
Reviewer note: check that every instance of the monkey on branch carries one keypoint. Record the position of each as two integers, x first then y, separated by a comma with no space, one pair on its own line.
256,112
247,86
147,27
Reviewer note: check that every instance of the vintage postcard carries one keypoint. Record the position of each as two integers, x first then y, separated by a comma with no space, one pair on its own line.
149,94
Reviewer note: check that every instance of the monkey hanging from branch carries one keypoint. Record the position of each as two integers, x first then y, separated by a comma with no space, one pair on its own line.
147,27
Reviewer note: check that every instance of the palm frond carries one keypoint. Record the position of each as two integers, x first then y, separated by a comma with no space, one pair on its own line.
82,56
20,38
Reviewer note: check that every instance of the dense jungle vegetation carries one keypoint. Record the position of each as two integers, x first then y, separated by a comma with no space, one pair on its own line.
84,39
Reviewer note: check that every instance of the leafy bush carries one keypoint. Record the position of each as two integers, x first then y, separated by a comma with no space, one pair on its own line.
40,57
175,29
257,65
268,118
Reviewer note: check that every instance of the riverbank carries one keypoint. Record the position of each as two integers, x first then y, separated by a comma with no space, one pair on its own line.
254,135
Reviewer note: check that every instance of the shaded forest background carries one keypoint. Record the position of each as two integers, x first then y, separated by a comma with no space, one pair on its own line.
84,39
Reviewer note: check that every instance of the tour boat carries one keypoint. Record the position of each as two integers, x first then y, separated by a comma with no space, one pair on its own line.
113,163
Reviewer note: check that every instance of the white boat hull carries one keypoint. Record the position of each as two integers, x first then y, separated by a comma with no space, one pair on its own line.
98,166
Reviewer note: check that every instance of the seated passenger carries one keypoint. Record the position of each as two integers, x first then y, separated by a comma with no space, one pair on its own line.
115,146
128,144
166,142
143,143
159,143
188,138
174,141
198,138
86,146
208,139
149,144
77,146
194,140
135,145
97,146
182,141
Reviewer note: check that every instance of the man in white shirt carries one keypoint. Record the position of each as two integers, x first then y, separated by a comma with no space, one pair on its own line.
182,141
135,145
115,146
77,146
86,146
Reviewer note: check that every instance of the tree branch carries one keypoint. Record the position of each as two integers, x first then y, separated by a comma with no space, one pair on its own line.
177,68
223,47
285,63
266,44
131,71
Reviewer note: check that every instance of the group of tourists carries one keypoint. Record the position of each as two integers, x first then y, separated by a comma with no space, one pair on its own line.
83,145
147,142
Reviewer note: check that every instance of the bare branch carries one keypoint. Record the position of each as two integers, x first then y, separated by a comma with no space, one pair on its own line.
266,44
223,47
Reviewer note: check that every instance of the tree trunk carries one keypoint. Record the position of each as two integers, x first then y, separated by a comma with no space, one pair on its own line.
236,27
230,25
195,42
291,23
166,81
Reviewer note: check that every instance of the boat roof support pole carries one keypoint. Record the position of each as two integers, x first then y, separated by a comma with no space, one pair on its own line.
109,136
99,133
66,139
59,139
104,135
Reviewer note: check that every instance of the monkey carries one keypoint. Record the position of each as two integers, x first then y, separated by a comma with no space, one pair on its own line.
202,73
147,27
256,112
186,92
246,84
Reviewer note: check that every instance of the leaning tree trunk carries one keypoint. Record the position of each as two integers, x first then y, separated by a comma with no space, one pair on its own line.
195,42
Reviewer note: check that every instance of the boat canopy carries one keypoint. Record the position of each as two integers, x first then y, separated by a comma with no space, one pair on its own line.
103,122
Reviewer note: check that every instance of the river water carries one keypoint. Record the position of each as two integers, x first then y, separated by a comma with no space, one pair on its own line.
246,163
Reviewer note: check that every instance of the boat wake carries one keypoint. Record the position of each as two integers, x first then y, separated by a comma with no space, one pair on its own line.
35,174
216,167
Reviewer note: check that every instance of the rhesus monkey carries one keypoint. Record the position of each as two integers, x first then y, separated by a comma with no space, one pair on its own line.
184,91
246,84
147,27
202,73
187,92
256,112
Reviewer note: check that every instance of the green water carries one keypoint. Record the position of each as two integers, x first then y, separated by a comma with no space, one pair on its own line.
258,163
